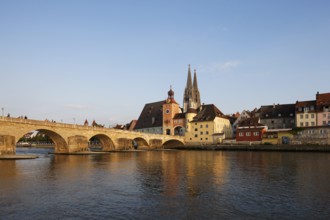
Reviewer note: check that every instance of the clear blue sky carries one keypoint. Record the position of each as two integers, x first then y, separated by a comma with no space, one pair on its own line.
104,60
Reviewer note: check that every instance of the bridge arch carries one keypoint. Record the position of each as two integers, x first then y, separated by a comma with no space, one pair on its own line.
105,141
172,143
141,143
179,130
60,145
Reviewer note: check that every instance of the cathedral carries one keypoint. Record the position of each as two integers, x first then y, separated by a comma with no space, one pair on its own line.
198,123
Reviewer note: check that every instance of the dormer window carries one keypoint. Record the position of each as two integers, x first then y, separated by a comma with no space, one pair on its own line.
266,115
279,114
312,108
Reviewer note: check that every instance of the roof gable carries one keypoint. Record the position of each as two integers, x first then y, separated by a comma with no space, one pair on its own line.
208,113
151,116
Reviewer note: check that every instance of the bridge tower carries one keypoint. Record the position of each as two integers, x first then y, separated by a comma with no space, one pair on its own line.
170,109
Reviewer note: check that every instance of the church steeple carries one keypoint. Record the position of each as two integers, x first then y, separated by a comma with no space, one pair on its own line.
196,97
191,97
189,84
195,81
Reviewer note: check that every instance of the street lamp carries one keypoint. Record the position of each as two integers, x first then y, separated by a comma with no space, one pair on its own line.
74,120
3,109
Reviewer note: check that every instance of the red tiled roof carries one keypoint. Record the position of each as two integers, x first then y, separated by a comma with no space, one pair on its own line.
323,99
305,103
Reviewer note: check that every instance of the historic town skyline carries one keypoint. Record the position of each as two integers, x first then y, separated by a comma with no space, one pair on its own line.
104,60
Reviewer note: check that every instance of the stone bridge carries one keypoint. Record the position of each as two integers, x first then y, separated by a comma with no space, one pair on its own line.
70,138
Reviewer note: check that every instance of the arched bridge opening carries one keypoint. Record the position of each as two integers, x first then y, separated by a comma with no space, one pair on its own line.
179,130
173,144
43,138
101,142
140,143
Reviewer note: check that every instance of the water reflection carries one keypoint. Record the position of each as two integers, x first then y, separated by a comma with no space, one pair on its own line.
167,184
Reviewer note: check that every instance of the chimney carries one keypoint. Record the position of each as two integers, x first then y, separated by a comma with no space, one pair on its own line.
273,105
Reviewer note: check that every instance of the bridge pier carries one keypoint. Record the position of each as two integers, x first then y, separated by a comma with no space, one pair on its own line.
77,143
7,145
156,144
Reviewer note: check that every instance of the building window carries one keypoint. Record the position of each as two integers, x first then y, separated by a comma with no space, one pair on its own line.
279,115
195,123
190,138
324,123
291,114
301,116
206,138
306,109
206,126
201,139
240,134
196,135
312,115
206,132
312,108
201,126
256,133
312,123
301,124
324,115
201,132
248,133
306,116
306,124
300,109
196,129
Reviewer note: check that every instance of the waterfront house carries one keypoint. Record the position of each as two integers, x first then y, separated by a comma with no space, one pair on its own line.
323,109
306,113
277,116
250,130
208,126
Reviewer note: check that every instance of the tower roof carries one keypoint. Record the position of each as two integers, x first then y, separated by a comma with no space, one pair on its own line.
189,82
195,85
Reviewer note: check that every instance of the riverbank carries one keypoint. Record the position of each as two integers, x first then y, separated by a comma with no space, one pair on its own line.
297,148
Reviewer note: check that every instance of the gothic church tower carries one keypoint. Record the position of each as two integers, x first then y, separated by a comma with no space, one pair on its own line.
191,97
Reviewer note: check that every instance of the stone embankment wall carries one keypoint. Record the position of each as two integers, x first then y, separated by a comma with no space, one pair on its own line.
301,148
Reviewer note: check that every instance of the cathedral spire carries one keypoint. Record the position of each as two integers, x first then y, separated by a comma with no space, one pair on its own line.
196,95
189,83
191,97
195,85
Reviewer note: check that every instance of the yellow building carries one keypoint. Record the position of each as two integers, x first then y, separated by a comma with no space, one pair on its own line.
306,114
208,126
278,136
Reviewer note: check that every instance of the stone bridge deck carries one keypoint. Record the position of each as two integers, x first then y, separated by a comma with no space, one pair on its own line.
74,138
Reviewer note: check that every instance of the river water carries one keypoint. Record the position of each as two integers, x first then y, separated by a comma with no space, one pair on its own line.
166,185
